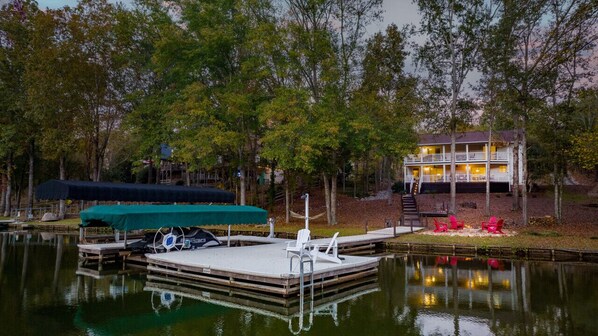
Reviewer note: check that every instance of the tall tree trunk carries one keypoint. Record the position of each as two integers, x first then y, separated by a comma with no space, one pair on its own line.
287,198
453,205
515,168
558,183
159,172
327,197
97,167
377,177
187,175
344,177
272,186
7,206
30,179
333,189
242,187
488,158
524,177
366,179
62,172
388,181
356,174
2,192
150,171
453,121
20,184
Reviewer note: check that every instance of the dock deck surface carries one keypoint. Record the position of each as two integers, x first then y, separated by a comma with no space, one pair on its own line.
267,260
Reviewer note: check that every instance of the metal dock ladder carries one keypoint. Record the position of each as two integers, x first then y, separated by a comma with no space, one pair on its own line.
303,259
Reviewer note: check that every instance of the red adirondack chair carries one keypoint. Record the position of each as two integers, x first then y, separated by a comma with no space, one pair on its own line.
496,228
440,226
442,260
491,221
456,225
494,263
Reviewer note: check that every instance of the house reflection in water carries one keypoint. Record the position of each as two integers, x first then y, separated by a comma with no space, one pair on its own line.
465,295
468,283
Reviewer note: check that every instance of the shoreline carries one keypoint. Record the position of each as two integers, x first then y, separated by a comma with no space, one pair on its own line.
502,252
407,244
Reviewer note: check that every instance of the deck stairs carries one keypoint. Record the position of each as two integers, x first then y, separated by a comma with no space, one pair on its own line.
410,211
414,186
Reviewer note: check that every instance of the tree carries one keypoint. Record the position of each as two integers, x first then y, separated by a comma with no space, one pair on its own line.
15,31
384,105
107,42
455,33
585,140
326,38
51,78
538,47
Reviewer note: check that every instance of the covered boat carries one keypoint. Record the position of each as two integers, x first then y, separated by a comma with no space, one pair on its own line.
176,224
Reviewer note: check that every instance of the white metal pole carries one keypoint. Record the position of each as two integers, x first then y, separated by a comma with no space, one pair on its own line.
228,238
307,211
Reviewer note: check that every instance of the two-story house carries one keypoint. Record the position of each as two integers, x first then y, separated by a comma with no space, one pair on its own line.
428,170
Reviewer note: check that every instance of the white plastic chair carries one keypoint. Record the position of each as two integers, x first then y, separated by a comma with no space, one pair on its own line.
327,255
301,244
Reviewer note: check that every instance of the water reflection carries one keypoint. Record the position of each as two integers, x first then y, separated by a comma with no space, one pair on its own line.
43,290
461,296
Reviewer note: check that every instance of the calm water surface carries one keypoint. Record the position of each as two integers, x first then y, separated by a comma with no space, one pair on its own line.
44,292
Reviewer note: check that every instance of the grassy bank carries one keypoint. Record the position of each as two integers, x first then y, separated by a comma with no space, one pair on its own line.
545,239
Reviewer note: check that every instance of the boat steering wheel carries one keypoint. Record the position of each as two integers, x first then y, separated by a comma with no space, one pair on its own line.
165,301
168,239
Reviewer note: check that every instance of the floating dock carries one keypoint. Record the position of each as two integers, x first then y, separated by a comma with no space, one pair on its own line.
262,268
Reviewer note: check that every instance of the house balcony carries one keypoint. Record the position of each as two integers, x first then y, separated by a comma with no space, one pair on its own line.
472,156
460,177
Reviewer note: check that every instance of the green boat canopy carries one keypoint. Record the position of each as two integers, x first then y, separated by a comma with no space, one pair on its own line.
137,217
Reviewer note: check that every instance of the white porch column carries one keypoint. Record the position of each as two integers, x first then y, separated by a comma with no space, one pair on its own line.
467,152
405,178
444,170
468,170
443,153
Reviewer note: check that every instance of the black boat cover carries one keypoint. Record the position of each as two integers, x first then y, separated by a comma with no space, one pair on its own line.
129,192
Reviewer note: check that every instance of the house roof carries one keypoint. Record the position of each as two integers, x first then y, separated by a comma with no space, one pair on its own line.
466,137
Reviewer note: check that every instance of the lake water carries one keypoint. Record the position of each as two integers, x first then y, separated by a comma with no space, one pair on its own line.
41,293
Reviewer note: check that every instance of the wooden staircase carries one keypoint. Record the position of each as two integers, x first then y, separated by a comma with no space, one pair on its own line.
410,212
414,186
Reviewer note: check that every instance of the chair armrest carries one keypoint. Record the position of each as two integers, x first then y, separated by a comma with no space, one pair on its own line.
313,247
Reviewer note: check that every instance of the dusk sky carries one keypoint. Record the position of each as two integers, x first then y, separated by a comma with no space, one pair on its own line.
398,11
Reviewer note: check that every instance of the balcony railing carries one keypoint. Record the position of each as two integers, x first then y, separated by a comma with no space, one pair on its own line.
461,177
459,157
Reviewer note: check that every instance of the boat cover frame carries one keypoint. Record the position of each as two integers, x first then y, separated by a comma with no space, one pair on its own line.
130,192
